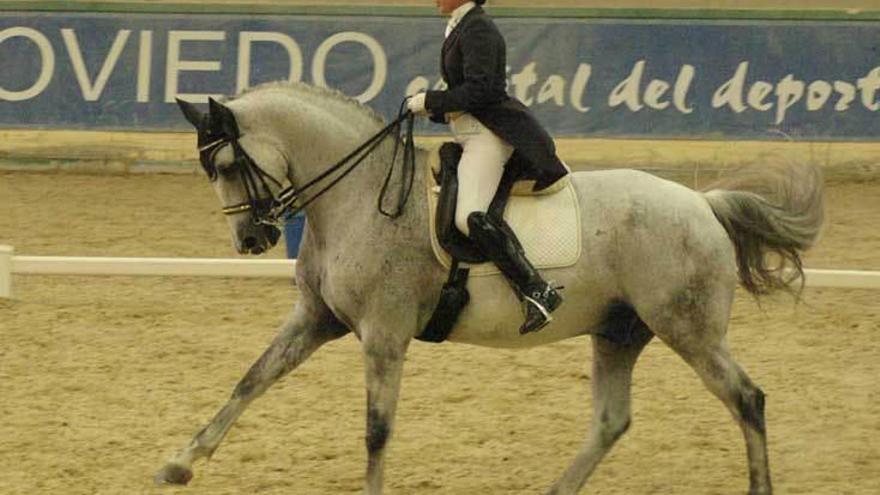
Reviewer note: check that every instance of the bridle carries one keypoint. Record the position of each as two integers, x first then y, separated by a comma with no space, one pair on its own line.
268,209
255,179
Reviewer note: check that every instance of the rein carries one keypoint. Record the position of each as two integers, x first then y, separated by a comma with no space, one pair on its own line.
289,196
270,210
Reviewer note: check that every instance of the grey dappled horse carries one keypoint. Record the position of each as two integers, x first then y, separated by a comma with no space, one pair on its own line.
658,259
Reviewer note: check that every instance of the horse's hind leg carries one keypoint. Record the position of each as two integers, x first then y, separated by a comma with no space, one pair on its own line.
698,336
613,363
304,332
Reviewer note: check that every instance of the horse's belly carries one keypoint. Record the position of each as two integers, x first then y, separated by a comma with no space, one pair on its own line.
494,315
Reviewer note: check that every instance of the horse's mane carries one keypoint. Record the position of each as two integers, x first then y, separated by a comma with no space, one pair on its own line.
299,88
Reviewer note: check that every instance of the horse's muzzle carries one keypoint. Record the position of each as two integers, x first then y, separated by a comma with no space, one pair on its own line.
259,240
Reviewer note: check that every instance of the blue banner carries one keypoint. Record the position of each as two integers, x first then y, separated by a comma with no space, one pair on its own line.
707,79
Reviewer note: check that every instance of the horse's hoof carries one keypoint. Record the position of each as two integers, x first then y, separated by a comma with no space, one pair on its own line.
173,474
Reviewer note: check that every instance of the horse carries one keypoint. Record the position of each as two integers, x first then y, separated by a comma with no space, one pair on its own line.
659,259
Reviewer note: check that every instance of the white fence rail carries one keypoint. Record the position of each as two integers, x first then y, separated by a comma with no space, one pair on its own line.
222,267
187,267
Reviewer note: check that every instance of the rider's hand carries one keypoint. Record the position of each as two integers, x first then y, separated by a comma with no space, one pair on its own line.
416,104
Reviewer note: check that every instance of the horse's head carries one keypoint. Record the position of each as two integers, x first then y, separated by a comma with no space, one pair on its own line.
247,169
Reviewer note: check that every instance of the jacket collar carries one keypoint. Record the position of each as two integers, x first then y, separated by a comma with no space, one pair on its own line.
457,15
467,14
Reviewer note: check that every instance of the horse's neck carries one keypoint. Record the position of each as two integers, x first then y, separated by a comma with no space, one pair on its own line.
349,209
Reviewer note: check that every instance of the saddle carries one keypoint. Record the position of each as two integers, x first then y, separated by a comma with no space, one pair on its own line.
547,223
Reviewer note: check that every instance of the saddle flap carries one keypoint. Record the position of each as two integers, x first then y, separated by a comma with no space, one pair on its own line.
451,240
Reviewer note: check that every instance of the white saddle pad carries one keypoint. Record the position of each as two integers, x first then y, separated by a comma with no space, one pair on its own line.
548,227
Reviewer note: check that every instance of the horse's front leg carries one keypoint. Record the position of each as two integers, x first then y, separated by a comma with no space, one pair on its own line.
309,326
384,350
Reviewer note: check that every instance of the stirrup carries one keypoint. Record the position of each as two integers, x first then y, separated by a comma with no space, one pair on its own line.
532,324
537,307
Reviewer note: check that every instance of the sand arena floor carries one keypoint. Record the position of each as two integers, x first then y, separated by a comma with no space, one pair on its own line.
102,378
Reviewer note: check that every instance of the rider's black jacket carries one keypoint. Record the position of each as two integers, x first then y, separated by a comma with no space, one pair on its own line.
473,64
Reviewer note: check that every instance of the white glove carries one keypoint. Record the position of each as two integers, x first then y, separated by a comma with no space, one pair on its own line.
416,104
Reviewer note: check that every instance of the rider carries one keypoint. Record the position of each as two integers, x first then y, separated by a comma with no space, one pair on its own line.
490,125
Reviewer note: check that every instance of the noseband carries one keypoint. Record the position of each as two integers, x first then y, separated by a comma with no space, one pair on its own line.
267,209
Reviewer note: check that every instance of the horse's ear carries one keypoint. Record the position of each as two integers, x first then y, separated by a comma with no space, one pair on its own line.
222,117
192,114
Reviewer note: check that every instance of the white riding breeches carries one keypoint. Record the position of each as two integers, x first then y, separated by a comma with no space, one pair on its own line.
480,169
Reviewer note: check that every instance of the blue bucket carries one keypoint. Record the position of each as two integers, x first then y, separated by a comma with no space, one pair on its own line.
294,225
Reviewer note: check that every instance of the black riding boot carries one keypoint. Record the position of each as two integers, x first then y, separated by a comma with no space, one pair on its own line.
498,242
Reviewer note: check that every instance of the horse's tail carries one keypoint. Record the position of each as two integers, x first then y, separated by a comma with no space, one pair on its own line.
776,209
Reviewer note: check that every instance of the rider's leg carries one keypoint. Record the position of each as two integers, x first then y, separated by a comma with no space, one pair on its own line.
479,173
480,168
497,241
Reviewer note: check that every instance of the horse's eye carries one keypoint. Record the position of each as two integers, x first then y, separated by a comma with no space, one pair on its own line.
228,170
